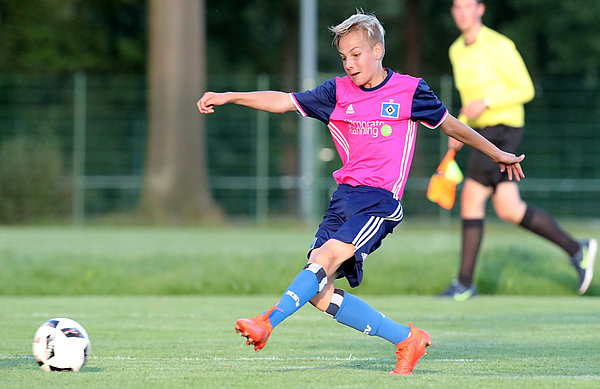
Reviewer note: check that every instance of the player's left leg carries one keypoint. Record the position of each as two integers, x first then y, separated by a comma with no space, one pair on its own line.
354,312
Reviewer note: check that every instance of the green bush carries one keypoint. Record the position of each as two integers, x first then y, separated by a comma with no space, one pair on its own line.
30,179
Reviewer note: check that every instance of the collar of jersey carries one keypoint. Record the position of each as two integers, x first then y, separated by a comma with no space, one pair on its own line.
480,37
389,75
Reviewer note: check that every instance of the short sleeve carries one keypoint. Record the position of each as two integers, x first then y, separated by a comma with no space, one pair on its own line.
426,107
318,103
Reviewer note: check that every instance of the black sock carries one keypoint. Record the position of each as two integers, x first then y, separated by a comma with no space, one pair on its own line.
472,234
539,222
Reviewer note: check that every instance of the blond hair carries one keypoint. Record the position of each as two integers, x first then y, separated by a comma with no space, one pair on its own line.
368,23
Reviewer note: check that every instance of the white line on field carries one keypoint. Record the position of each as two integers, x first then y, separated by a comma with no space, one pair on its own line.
269,358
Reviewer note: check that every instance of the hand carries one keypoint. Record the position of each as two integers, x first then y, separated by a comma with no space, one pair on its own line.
474,109
511,164
209,100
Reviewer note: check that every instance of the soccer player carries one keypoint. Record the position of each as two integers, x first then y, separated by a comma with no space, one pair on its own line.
372,115
493,83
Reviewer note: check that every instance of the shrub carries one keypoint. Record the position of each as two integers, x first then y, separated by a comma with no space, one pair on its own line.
30,179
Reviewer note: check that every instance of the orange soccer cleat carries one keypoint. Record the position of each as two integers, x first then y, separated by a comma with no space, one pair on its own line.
256,330
410,350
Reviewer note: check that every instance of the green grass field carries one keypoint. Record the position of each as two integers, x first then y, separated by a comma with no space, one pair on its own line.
160,305
189,341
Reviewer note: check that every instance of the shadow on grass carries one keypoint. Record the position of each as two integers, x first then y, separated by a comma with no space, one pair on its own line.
384,369
91,370
370,365
18,361
366,365
28,362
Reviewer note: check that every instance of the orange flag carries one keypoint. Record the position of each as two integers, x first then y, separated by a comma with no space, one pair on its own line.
442,185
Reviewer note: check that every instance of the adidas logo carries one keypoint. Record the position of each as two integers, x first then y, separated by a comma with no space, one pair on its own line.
294,296
364,256
350,110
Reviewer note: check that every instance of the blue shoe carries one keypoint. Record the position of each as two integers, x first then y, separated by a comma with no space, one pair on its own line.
583,262
458,291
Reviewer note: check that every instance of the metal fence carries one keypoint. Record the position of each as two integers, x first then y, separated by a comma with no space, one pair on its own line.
100,125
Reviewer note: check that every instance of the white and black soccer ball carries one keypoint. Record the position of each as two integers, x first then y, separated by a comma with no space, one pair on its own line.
61,344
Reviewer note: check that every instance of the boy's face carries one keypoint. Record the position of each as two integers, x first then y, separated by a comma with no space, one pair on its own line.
467,14
360,60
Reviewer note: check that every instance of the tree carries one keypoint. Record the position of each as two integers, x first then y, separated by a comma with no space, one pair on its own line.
412,38
175,188
65,36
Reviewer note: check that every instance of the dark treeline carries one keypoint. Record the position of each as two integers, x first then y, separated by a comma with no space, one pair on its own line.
555,37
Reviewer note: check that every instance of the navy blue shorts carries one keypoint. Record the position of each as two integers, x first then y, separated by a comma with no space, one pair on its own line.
362,216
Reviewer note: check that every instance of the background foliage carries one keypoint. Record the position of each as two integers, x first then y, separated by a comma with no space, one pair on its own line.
254,36
30,173
45,42
51,36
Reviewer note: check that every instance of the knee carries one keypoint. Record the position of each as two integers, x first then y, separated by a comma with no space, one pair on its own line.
512,215
321,254
324,257
506,216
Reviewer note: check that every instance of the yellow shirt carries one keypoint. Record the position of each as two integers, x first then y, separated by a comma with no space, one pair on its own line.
491,68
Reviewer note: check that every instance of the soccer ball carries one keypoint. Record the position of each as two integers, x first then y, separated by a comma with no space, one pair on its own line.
61,344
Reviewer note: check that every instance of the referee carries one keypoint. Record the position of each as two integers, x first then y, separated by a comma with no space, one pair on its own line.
493,83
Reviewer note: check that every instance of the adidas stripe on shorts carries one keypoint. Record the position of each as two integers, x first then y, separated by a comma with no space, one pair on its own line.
362,216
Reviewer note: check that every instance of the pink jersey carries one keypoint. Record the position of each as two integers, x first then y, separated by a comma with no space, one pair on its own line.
374,130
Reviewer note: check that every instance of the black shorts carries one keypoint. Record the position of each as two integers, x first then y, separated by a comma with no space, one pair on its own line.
481,168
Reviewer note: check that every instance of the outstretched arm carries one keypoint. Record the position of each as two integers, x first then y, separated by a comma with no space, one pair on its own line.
507,161
270,101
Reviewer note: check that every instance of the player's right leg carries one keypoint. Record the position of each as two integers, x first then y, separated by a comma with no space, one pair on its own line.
310,281
256,330
307,283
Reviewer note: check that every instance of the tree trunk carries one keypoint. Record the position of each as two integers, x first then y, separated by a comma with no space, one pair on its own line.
412,38
175,188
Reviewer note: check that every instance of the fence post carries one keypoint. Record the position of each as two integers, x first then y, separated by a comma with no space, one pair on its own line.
308,72
262,158
79,130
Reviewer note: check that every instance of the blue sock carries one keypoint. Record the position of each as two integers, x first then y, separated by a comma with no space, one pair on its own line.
354,312
305,286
